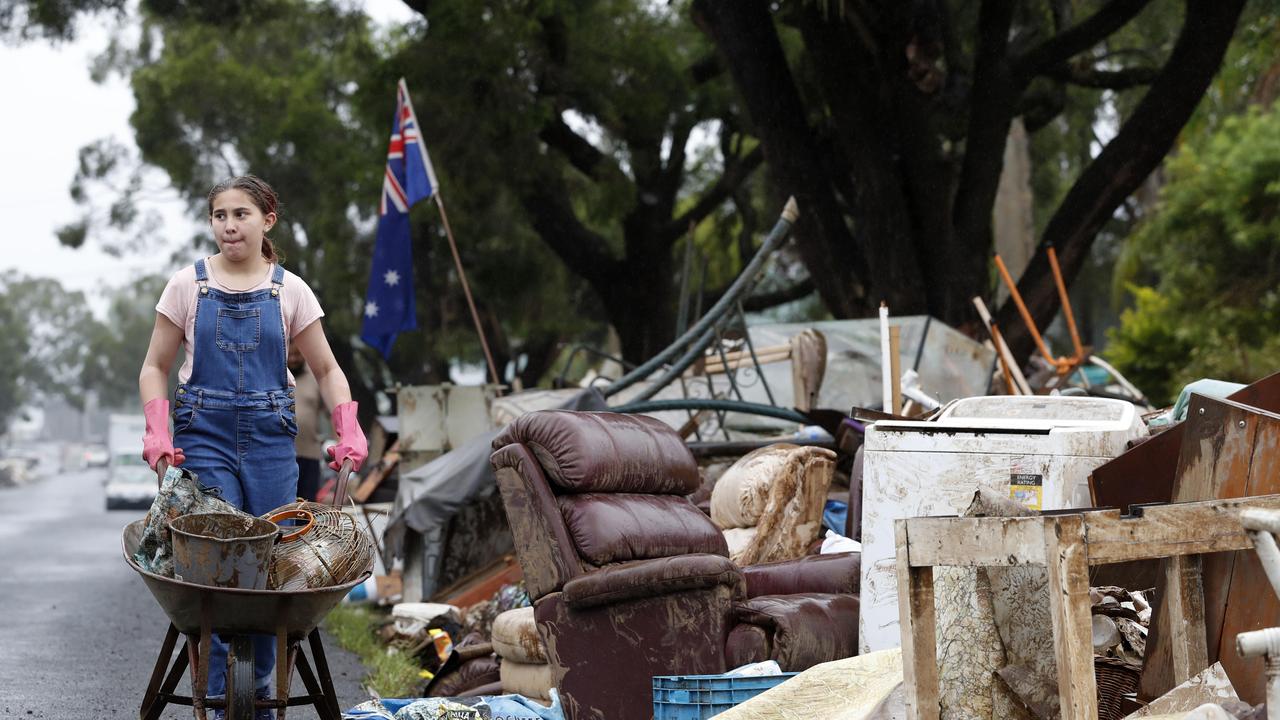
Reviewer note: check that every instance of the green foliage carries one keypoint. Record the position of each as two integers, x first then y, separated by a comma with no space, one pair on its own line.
1211,254
392,673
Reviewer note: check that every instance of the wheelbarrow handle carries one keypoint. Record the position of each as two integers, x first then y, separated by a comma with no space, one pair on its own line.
344,475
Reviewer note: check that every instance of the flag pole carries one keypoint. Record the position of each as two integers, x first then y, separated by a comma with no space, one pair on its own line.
466,290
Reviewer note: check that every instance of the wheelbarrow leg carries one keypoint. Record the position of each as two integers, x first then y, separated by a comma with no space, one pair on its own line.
200,673
322,669
171,682
157,673
284,668
320,702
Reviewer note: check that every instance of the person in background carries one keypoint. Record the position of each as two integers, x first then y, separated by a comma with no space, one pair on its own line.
310,405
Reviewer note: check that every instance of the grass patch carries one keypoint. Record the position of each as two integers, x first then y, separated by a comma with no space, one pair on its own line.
392,674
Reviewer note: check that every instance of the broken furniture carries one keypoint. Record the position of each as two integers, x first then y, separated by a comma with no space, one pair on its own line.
1067,544
1228,450
630,580
1038,450
769,503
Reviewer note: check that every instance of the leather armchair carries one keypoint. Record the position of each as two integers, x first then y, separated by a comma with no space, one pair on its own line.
630,580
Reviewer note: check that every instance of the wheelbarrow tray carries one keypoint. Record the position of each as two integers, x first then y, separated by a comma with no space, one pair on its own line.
235,611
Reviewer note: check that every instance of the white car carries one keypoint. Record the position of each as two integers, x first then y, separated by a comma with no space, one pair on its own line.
130,483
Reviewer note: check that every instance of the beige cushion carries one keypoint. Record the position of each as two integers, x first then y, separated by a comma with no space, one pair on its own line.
515,637
531,681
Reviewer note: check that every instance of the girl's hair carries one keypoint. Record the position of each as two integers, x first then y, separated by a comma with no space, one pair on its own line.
262,196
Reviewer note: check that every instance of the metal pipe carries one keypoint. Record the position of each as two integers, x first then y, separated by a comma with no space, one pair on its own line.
1265,643
1264,544
1259,519
1016,297
1066,303
748,408
740,287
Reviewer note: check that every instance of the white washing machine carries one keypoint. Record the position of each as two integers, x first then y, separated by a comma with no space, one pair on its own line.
1038,449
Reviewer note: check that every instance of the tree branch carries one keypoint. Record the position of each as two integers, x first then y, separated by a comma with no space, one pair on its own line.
733,176
1125,163
581,154
764,301
1122,79
1059,48
546,200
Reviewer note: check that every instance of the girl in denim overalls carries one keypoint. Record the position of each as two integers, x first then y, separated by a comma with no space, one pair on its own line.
233,411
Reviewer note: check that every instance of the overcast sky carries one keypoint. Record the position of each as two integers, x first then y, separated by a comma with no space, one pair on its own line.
52,109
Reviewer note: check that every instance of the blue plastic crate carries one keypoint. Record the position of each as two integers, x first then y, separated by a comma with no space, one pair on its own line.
698,697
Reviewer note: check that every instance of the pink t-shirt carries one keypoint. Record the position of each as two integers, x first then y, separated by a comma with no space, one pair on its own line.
298,306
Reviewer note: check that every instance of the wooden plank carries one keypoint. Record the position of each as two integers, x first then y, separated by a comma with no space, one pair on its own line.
1184,600
1065,553
977,542
1169,530
917,622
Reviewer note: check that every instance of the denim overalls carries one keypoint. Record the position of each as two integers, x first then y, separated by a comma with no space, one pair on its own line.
234,419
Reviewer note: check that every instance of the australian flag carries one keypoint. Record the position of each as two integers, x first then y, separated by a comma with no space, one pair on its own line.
409,177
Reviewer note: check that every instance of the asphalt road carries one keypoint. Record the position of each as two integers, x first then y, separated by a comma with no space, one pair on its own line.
79,632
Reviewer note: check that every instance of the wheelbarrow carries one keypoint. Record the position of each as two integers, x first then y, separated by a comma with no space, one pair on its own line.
198,611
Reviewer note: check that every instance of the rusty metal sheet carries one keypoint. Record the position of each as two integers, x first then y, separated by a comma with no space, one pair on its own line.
1229,450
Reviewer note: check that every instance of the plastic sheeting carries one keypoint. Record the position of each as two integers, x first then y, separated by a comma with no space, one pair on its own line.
866,687
483,707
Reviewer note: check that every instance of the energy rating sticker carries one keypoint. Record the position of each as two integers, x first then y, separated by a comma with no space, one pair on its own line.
1027,488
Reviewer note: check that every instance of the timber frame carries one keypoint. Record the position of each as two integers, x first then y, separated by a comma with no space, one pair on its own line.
1067,543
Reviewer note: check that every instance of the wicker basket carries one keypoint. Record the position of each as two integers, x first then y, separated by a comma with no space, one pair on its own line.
322,547
1116,678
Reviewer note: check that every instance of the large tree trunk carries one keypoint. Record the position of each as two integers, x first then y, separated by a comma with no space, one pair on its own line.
744,33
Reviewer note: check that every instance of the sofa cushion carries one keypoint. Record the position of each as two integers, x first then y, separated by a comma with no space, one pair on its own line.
605,452
610,528
651,578
515,637
836,573
528,679
805,629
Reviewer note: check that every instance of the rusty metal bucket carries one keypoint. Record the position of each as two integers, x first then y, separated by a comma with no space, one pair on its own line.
223,550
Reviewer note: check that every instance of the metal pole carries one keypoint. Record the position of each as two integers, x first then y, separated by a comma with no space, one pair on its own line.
740,287
466,290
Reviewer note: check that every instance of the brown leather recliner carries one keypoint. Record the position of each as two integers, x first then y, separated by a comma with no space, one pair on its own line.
630,580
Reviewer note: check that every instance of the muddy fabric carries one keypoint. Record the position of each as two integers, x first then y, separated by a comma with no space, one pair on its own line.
603,658
527,679
779,491
605,452
867,687
649,578
834,573
740,495
180,494
617,527
547,556
738,540
805,629
969,642
515,637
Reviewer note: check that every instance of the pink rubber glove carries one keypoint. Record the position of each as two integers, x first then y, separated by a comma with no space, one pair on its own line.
351,441
156,443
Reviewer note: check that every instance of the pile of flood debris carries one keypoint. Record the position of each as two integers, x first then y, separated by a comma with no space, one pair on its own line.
893,516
